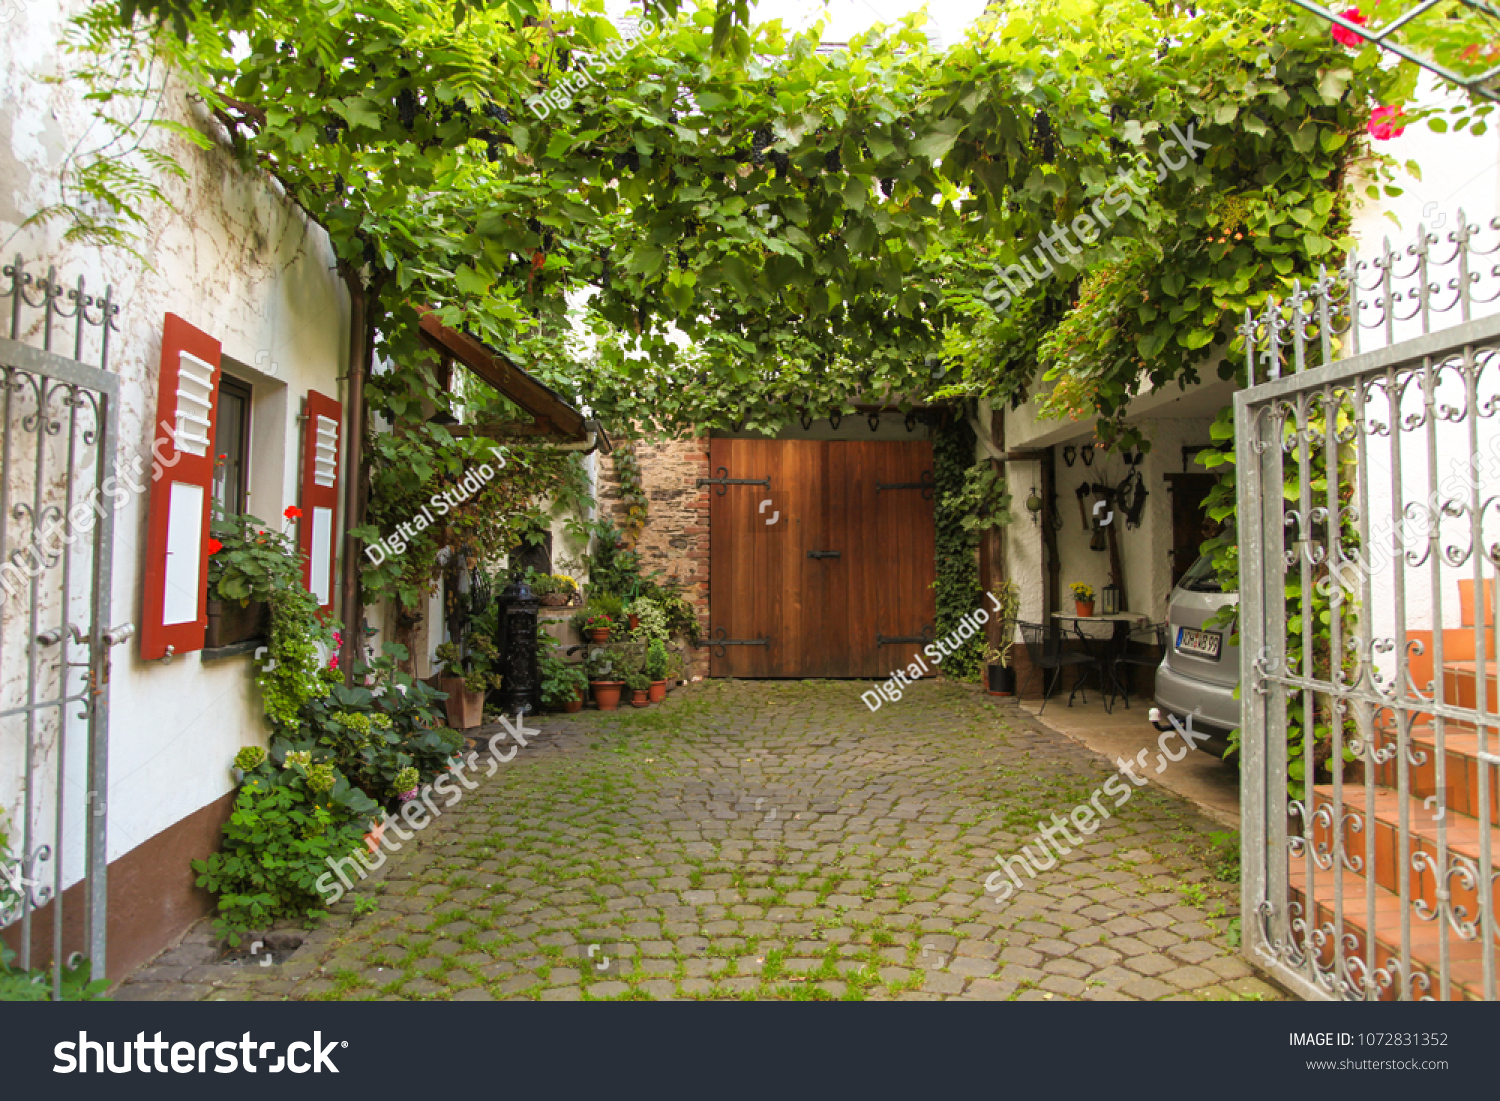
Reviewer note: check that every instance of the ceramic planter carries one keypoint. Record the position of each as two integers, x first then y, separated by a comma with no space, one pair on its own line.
641,697
1084,607
635,621
658,691
600,635
465,708
1001,680
607,693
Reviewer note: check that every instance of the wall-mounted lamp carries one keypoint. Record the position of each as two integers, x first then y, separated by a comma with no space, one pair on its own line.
1087,454
1034,506
1070,455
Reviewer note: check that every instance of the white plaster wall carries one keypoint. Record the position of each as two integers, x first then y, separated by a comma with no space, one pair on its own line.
1459,173
235,260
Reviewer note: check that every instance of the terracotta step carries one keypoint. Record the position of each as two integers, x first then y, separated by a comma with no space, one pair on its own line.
1466,600
1461,684
1459,644
1465,957
1463,834
1462,769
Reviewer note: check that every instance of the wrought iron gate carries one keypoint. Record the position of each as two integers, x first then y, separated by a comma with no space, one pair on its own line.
59,416
1369,513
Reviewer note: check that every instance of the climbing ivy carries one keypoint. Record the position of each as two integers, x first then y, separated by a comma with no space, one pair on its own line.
632,490
957,584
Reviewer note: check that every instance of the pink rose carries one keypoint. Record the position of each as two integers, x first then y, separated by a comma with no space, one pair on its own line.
1344,35
1382,123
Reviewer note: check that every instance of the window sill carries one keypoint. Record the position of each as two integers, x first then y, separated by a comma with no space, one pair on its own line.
234,650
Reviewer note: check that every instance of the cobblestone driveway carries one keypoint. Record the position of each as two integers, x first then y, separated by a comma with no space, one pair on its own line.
771,840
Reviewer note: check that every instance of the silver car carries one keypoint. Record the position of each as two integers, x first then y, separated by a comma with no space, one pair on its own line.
1201,670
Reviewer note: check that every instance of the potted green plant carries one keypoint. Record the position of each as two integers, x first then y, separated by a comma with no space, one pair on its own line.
597,627
656,669
563,684
1083,598
676,667
466,678
602,666
640,689
1005,603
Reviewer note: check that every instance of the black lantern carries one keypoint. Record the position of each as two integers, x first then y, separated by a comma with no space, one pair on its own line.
1110,596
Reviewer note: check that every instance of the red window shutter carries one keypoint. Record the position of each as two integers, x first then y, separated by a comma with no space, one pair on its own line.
175,611
318,529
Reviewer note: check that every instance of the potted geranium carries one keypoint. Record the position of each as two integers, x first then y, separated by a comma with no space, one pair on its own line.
1005,606
248,561
640,689
603,665
1083,598
597,627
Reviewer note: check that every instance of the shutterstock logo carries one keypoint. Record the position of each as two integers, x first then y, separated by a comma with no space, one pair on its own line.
147,1056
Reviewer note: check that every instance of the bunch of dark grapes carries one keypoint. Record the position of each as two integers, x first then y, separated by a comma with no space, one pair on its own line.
832,161
498,113
491,148
406,108
783,164
332,130
760,141
627,159
563,58
682,260
1044,138
888,187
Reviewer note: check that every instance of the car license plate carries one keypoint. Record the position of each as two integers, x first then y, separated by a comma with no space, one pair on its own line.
1200,643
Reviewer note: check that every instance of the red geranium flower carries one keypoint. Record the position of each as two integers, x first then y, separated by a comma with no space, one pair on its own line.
1343,34
292,512
214,546
1382,123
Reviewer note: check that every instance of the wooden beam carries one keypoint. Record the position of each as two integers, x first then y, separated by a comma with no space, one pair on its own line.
504,376
503,431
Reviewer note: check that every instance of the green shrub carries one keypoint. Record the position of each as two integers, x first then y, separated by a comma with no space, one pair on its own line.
284,827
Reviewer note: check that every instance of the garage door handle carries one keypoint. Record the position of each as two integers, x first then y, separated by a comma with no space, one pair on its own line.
824,554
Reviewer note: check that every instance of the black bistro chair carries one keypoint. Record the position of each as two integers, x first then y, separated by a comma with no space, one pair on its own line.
1145,646
1044,646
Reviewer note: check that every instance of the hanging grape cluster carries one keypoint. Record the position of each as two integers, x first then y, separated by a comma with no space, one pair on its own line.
1042,137
760,141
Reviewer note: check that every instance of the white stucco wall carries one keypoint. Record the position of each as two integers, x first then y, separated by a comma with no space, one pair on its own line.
1459,173
237,261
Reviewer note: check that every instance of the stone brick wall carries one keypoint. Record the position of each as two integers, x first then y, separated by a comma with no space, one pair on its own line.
675,538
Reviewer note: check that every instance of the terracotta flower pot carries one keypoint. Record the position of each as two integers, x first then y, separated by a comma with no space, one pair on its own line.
575,704
465,709
599,634
658,691
377,831
635,621
607,693
1084,607
641,697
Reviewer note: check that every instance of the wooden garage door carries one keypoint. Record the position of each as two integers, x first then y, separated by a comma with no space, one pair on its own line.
821,555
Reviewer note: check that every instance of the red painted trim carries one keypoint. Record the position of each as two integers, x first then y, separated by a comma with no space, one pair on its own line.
316,496
169,466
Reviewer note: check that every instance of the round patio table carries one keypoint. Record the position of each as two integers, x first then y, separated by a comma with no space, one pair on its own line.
1105,648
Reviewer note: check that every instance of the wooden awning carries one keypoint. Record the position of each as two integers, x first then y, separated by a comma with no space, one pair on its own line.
552,417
